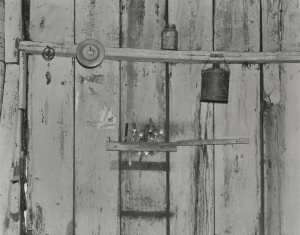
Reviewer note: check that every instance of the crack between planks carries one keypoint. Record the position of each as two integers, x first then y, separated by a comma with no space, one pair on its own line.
262,183
74,125
120,123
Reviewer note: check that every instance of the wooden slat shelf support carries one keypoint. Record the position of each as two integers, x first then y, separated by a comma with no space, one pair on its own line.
167,56
168,146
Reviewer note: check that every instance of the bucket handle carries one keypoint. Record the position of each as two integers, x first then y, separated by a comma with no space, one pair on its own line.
217,55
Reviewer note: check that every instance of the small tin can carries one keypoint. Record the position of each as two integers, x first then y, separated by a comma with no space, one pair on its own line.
169,38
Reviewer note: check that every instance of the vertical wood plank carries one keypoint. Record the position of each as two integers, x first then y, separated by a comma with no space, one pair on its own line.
52,21
142,97
237,168
281,125
50,146
13,29
9,192
51,122
192,174
96,120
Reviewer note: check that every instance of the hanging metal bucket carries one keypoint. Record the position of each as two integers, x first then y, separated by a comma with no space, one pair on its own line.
215,84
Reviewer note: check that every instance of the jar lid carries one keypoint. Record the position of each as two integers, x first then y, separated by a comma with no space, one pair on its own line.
170,26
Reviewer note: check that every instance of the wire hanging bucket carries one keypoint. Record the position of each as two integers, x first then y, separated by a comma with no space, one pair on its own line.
215,82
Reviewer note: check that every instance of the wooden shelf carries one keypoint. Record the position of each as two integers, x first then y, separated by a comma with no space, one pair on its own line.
168,146
167,56
212,142
141,146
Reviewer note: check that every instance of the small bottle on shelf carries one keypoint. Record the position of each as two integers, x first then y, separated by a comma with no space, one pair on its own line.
169,37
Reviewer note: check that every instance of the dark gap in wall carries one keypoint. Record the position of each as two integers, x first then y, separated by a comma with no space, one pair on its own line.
280,28
2,86
167,12
74,139
74,24
167,129
167,140
262,170
213,115
213,24
24,155
120,110
24,124
26,19
74,125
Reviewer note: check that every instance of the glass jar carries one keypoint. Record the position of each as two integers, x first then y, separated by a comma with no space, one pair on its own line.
169,38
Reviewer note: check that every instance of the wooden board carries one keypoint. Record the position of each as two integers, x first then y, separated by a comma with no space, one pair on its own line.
191,177
11,20
167,56
50,146
50,122
212,142
142,97
141,146
9,192
52,22
96,120
281,124
237,168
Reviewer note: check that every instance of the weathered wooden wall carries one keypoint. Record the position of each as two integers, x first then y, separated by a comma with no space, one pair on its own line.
76,187
237,167
143,193
10,17
96,101
51,122
281,126
192,168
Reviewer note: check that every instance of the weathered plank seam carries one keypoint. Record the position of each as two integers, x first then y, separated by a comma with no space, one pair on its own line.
262,165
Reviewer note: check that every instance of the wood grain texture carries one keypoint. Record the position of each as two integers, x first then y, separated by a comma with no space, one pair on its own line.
11,21
192,176
50,146
212,142
237,168
9,192
281,125
167,56
96,120
50,122
52,21
136,146
142,97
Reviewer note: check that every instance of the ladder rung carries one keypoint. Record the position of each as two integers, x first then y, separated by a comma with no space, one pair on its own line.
144,166
157,214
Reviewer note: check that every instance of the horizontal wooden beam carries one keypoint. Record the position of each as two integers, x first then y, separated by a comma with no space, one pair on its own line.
143,166
141,146
167,56
136,214
212,142
168,147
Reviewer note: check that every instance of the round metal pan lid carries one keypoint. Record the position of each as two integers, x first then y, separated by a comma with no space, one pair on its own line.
90,53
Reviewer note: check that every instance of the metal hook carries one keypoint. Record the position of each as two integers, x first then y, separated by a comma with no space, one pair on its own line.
48,53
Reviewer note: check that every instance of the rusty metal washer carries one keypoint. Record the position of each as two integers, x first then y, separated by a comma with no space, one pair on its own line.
90,53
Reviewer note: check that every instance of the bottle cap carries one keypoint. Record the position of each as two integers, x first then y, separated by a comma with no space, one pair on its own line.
170,26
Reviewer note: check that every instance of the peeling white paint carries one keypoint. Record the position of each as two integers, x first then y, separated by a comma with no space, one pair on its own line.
108,119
